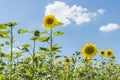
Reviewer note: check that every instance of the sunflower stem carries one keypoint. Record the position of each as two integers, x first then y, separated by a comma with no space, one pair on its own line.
11,51
51,52
34,43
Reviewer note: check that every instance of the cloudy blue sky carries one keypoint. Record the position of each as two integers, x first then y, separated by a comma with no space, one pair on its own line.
86,21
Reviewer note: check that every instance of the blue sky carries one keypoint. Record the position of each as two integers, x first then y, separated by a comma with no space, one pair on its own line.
99,24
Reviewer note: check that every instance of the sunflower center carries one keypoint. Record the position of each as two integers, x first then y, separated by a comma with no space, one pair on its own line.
109,53
89,50
102,52
67,60
50,20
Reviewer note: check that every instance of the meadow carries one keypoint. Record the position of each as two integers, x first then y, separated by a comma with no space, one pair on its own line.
46,64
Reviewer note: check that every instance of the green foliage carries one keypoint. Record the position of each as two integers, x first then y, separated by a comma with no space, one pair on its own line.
41,61
58,33
43,39
20,31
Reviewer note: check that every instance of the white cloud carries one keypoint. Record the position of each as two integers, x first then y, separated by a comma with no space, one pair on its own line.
65,13
109,27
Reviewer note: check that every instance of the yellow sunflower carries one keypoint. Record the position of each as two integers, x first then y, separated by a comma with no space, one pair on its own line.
118,68
67,61
111,64
89,51
50,21
102,53
36,58
58,63
109,53
65,67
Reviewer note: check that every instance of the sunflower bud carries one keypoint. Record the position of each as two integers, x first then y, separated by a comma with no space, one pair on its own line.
12,24
37,33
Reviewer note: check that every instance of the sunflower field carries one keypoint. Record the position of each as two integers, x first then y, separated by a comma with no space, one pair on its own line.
43,63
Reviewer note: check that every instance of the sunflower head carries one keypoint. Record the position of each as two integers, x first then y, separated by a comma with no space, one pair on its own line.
50,21
65,67
89,51
109,53
58,63
67,61
118,68
36,58
111,64
102,53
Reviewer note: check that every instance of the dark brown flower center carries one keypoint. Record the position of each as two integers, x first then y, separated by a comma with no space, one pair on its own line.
50,20
102,52
109,53
89,50
67,60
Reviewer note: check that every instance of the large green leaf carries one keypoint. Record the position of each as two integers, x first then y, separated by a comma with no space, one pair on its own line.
26,45
20,31
1,45
28,73
34,38
4,36
59,24
43,39
58,33
3,26
7,42
44,49
44,32
1,76
4,32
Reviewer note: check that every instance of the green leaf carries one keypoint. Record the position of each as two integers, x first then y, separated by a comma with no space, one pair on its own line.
4,32
1,45
34,38
26,45
44,49
59,24
1,76
28,73
44,32
7,42
18,55
58,33
3,26
43,39
20,31
4,36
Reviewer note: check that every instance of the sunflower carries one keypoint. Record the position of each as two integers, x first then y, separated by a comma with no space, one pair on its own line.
118,68
109,53
65,67
67,61
36,58
102,53
111,64
58,63
89,51
50,21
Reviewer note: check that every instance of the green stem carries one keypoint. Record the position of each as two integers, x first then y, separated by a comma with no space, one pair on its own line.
51,51
11,51
34,43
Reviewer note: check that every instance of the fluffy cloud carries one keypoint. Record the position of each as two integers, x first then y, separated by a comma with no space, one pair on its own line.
109,27
65,13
